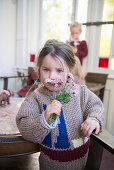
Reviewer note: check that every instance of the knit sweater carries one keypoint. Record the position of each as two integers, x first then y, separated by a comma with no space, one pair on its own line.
63,146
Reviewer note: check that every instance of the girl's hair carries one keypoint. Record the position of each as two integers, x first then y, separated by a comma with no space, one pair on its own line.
77,25
57,49
78,71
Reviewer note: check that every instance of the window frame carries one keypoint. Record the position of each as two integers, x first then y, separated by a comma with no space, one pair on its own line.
93,35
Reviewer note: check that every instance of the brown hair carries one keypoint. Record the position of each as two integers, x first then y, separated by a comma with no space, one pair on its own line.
78,71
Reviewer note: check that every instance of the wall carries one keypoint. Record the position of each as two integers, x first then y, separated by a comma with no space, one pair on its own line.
7,38
28,31
21,32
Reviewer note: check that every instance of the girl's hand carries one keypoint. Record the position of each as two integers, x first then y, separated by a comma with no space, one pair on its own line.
74,49
88,126
54,107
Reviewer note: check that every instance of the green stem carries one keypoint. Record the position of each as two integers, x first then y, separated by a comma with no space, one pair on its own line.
52,119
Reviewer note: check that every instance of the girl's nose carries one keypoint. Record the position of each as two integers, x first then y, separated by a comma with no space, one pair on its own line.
52,75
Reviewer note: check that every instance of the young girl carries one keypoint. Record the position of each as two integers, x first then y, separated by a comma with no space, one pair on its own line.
79,47
64,142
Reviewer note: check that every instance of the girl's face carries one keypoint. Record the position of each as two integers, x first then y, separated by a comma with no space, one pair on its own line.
75,32
53,68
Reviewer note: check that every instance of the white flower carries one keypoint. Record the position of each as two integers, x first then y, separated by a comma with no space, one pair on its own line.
48,80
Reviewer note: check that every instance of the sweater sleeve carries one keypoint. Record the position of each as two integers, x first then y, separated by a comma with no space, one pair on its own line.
93,106
28,120
82,50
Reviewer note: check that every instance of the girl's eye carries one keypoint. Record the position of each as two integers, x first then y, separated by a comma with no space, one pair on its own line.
59,71
46,69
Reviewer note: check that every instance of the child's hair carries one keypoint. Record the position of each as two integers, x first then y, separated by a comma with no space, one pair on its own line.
56,49
78,71
77,25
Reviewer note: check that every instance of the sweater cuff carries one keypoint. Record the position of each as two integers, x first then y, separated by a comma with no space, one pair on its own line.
93,118
45,124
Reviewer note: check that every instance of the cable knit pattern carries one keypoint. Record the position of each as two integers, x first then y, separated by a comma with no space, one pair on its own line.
54,155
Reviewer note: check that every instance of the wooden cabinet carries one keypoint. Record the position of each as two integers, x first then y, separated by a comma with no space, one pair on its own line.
109,104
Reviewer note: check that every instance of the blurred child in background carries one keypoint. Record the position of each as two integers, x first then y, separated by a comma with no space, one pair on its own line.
79,47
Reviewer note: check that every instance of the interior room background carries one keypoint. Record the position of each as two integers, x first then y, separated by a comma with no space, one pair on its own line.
25,25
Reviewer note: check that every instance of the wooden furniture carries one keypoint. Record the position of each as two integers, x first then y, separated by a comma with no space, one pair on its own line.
11,142
109,104
30,70
96,83
96,78
5,78
105,139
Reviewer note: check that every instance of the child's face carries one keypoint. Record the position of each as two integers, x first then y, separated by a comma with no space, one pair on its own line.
53,68
75,32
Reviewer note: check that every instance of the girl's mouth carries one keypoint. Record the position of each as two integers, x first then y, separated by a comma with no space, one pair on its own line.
55,83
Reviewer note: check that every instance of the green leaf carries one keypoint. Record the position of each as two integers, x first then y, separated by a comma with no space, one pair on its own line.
49,95
64,97
66,100
52,118
72,43
59,98
18,73
24,82
67,95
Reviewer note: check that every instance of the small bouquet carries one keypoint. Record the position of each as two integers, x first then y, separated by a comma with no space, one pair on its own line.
66,94
73,42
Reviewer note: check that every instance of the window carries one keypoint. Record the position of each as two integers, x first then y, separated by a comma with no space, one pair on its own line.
106,34
98,16
58,17
103,62
108,10
81,17
105,41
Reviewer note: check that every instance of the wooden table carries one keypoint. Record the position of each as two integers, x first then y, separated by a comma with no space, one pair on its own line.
11,142
5,78
105,139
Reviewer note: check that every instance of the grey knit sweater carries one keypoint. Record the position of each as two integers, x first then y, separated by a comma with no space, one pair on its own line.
63,146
